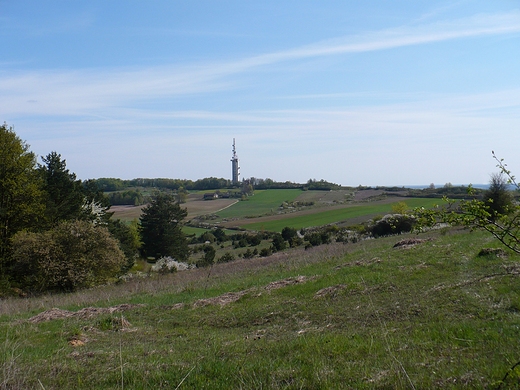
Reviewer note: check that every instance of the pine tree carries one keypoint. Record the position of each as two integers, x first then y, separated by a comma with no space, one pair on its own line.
161,228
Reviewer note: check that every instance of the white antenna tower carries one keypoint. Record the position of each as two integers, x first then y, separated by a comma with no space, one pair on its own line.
235,169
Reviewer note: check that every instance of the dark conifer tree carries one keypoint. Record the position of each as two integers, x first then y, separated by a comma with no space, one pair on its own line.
161,228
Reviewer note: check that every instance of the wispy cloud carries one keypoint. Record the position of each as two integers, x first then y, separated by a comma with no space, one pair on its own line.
478,25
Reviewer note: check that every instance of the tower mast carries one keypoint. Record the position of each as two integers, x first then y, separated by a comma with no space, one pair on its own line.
235,169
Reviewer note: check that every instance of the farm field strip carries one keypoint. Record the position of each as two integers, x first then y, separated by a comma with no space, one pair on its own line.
261,203
318,218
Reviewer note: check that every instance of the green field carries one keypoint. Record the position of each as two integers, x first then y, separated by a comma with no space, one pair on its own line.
367,210
261,203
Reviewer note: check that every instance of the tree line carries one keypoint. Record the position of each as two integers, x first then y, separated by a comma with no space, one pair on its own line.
208,183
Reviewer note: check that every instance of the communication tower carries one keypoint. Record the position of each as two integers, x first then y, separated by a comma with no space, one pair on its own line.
235,169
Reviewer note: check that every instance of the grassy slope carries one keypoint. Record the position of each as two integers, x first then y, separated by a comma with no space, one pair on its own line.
432,316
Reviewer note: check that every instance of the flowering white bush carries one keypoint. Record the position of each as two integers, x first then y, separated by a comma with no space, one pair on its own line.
169,264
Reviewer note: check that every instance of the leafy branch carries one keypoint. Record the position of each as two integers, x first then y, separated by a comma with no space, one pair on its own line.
497,213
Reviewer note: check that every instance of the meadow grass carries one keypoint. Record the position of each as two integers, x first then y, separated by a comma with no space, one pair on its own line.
363,316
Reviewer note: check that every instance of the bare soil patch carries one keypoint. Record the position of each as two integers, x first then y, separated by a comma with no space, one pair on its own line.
87,312
285,282
330,292
231,297
409,242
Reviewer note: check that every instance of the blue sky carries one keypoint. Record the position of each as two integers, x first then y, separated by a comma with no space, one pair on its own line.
354,92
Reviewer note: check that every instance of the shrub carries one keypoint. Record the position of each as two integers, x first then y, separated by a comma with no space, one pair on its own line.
498,199
207,237
71,256
278,243
208,258
289,233
248,254
313,238
392,224
226,257
168,264
266,252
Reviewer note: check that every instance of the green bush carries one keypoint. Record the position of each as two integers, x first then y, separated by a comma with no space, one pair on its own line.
278,243
392,224
73,255
208,258
226,257
266,252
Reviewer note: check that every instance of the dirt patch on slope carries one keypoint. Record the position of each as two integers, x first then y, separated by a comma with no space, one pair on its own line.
285,282
410,242
87,312
231,297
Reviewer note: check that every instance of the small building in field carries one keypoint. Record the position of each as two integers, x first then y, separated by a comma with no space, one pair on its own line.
210,196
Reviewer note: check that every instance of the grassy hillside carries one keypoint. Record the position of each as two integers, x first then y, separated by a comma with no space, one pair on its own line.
364,315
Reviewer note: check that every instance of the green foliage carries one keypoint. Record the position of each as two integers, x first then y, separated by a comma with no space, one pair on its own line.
21,197
73,255
161,228
111,184
322,185
128,197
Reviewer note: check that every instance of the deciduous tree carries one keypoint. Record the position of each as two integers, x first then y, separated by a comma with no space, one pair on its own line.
21,197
